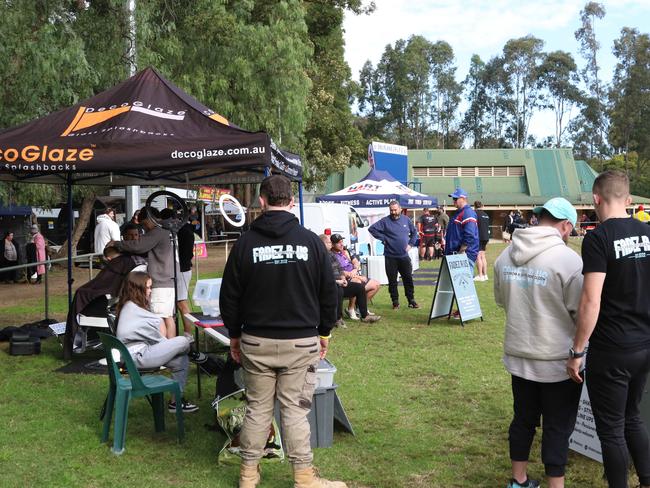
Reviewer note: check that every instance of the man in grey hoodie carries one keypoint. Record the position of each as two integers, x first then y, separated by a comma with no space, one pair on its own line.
538,280
156,244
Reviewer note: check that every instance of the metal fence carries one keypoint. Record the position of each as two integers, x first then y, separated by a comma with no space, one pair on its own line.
91,258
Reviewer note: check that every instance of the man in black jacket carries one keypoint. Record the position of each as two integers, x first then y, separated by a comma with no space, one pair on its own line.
277,297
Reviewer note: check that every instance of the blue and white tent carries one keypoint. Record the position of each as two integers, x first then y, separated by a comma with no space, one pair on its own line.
377,189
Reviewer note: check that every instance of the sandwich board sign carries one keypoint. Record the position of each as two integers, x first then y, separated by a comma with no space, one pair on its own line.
584,438
456,281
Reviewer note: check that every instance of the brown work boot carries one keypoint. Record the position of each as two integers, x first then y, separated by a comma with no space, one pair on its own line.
249,475
369,319
307,478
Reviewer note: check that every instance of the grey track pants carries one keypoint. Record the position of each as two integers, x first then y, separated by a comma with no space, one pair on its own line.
171,353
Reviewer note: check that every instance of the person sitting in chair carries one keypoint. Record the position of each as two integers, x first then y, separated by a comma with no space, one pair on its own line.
143,333
351,270
92,298
347,289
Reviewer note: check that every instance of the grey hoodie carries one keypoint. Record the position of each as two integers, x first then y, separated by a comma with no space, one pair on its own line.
158,247
538,280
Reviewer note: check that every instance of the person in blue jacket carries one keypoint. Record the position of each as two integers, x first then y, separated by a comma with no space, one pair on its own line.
462,232
399,235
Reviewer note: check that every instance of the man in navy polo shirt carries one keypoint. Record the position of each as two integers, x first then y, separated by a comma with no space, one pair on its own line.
399,235
462,232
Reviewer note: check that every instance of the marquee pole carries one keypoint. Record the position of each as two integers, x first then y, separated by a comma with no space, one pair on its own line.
68,338
302,210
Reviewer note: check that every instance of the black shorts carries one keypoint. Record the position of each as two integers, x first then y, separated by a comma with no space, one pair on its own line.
483,245
427,241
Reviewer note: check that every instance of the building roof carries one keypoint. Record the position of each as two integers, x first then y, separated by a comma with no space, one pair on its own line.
498,177
505,177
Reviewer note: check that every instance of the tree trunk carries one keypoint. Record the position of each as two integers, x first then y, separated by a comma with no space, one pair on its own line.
247,195
79,228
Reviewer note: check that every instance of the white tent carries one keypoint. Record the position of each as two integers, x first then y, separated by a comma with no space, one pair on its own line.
376,190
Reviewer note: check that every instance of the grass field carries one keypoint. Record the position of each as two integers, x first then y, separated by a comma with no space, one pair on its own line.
430,406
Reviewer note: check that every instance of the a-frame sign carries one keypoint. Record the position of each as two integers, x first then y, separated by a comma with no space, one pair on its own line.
455,283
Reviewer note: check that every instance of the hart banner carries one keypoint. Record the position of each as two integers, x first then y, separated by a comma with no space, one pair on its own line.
212,194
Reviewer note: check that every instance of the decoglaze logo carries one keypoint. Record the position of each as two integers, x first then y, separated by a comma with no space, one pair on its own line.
90,116
32,154
44,158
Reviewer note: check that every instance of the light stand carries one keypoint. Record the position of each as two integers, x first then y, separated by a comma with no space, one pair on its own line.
173,225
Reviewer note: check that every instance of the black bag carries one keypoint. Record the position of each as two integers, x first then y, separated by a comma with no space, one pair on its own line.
21,344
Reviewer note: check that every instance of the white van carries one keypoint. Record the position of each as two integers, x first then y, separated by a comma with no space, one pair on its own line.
339,218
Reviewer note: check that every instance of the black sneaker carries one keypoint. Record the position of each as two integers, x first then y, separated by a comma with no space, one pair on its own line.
413,304
188,407
395,305
527,484
197,357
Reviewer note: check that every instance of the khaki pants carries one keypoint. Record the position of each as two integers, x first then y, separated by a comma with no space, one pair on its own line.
282,369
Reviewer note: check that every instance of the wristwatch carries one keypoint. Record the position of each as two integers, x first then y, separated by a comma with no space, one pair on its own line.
573,354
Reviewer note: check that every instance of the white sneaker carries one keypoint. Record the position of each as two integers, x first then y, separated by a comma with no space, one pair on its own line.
352,314
478,278
485,278
371,313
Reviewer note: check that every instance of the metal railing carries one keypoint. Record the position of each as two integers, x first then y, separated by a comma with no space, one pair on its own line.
226,242
90,257
47,263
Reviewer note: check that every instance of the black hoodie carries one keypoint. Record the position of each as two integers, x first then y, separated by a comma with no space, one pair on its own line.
278,281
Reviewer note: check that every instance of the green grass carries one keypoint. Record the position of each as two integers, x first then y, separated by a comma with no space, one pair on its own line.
430,406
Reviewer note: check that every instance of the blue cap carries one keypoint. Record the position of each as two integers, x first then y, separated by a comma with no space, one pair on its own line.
458,193
560,208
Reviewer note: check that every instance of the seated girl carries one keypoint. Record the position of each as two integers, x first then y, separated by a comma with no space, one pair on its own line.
142,332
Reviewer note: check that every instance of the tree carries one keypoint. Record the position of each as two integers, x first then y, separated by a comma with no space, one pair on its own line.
521,59
393,74
271,65
371,102
629,98
558,75
44,66
333,141
474,122
245,60
446,90
412,97
590,127
499,102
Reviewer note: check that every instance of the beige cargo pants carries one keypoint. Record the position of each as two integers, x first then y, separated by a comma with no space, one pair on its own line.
284,369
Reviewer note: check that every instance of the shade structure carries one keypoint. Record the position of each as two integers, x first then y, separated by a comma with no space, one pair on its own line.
378,189
145,130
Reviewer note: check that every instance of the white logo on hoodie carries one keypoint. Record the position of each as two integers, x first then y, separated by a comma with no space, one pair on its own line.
527,276
281,252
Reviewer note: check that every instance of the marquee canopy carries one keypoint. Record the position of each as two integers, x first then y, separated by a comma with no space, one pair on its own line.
378,189
145,131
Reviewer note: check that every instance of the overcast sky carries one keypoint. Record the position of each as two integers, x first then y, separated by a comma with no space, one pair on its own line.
483,27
